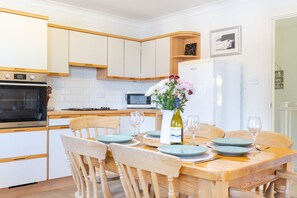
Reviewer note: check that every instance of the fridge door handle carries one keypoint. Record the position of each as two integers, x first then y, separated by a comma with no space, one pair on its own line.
193,68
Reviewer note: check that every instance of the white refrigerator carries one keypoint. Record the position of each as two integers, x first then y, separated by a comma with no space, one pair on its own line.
217,92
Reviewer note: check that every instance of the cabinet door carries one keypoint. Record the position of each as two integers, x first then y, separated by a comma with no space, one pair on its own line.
22,172
58,161
132,59
148,59
23,42
163,57
22,144
58,50
115,57
87,48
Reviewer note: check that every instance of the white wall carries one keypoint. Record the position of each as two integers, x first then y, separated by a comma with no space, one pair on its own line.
82,89
255,17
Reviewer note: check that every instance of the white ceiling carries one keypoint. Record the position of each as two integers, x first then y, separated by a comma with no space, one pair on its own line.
136,9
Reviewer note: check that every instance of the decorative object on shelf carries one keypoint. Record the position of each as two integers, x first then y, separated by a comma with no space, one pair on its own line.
164,94
190,49
225,41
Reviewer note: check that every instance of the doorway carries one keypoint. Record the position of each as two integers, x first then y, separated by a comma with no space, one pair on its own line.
285,76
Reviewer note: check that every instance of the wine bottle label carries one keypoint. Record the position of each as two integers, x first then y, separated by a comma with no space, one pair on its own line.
175,135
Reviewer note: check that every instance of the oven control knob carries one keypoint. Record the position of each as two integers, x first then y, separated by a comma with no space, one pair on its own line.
32,77
7,76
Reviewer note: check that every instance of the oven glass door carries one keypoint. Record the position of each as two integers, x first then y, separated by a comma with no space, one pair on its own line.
22,105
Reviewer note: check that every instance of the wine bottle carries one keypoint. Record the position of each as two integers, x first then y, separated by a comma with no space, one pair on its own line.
176,130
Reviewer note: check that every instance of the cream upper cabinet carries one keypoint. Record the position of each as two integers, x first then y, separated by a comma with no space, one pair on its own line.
132,59
23,42
148,59
87,48
58,43
163,57
115,57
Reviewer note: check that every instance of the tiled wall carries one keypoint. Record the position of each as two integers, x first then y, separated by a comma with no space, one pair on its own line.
82,89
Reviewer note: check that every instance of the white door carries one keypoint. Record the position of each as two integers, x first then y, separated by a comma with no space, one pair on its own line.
58,43
148,59
115,57
132,59
202,101
23,42
163,57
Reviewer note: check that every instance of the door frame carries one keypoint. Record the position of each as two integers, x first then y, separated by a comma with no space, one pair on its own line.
272,62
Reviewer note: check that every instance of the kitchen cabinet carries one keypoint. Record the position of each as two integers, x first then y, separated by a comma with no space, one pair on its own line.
58,43
148,59
23,42
132,59
155,60
87,50
58,161
115,57
23,156
163,57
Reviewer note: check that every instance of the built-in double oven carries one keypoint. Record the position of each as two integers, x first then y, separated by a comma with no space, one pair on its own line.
22,99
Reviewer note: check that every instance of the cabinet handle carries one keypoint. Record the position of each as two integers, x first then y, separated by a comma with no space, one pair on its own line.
20,158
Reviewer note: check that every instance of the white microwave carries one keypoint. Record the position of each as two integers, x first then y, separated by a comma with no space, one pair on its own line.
138,101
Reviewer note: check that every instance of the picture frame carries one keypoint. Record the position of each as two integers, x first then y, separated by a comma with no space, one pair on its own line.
190,49
225,41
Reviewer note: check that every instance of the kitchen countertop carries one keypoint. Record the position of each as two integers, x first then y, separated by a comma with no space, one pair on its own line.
120,112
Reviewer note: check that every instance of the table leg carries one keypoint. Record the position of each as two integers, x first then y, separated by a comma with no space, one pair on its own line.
213,189
282,186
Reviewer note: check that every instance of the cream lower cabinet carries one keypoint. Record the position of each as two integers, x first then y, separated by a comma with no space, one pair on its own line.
23,42
58,43
58,161
22,157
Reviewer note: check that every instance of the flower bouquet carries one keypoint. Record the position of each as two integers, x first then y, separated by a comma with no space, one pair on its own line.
163,94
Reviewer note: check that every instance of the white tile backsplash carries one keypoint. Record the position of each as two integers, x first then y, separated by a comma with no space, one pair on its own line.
82,89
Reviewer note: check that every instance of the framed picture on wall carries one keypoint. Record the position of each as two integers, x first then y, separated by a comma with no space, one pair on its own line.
225,41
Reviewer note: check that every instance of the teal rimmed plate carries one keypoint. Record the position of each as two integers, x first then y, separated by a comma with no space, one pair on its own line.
154,133
232,141
232,150
182,150
114,138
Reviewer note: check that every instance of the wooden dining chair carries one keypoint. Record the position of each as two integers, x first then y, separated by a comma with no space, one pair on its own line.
265,139
209,131
92,126
80,151
139,163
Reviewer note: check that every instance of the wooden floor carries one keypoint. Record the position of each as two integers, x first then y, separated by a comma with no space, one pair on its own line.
64,188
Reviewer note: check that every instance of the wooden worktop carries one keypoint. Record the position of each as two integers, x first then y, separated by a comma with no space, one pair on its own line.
119,112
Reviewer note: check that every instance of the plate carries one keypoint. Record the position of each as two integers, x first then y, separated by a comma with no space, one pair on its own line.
232,141
114,138
154,133
182,150
197,158
232,150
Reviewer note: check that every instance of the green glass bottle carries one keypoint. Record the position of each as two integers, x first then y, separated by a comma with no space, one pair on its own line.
176,130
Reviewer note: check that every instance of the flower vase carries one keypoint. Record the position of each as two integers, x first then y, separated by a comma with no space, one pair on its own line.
165,127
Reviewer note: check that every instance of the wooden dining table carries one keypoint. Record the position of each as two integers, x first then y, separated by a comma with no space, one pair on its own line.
212,179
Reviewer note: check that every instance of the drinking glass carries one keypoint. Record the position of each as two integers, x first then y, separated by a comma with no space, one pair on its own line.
254,127
193,126
136,118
